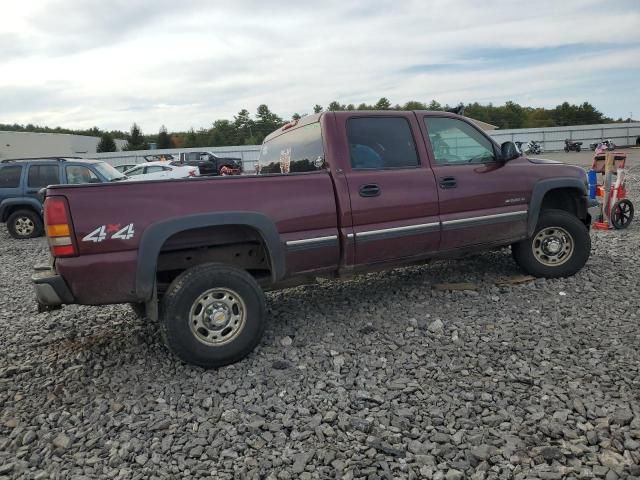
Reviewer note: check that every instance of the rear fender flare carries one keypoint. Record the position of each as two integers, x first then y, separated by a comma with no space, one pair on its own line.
25,202
542,187
157,234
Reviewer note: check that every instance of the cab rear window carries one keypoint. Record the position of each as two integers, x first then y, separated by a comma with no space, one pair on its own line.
296,151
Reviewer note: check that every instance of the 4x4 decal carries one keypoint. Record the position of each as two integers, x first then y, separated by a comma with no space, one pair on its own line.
114,231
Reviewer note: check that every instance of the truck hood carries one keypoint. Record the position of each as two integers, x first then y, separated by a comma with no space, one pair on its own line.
544,161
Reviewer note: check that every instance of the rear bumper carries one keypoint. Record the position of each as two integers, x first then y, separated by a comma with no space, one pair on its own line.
51,289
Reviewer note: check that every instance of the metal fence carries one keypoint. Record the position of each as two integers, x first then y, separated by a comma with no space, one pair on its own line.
551,138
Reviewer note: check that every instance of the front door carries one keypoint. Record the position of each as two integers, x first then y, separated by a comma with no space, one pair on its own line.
482,200
394,201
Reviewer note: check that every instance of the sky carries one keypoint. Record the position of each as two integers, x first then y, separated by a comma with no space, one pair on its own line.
186,63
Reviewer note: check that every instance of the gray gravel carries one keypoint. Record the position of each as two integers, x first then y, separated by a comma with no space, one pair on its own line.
380,377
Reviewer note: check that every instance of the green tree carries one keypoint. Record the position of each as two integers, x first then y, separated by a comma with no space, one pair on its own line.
191,139
364,106
222,134
136,140
106,144
434,106
164,140
244,126
317,108
266,122
414,105
296,116
382,104
335,106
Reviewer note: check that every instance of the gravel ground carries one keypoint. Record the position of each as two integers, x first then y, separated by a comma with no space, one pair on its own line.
379,377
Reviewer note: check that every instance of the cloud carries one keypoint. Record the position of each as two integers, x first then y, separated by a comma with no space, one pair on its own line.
187,63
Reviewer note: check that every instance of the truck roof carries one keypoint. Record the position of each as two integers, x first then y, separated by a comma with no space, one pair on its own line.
307,119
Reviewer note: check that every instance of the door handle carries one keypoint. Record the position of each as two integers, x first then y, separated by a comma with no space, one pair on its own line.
448,182
369,190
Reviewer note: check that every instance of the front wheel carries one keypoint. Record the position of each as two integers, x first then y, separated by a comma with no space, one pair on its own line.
566,149
559,247
212,315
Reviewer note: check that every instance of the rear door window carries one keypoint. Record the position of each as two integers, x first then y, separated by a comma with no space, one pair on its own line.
296,151
377,143
10,176
43,175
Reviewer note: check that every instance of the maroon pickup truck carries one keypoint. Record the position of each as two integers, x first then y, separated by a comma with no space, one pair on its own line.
334,194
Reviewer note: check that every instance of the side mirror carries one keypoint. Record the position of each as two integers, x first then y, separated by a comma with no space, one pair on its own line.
509,151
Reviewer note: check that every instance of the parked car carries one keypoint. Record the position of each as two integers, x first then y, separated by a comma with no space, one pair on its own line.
160,171
124,167
210,164
338,193
21,180
159,157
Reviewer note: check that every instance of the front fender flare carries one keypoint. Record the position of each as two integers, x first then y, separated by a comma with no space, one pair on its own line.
542,187
157,234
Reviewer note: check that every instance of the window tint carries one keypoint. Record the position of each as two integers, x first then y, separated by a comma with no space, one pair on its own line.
153,169
43,175
80,174
135,171
381,142
456,142
10,176
298,150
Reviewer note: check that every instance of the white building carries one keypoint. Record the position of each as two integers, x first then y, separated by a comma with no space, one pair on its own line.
29,144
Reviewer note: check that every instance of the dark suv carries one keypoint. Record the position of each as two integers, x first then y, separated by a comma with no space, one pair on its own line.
21,180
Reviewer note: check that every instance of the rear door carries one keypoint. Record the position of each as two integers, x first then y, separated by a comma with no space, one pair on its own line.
394,200
482,200
40,176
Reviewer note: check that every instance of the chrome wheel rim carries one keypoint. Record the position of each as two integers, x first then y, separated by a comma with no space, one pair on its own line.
553,246
24,226
217,316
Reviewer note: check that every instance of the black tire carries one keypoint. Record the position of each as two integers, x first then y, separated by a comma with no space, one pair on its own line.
568,263
139,309
25,224
566,149
578,148
186,341
622,214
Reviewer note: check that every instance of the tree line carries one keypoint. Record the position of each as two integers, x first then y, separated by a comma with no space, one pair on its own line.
248,129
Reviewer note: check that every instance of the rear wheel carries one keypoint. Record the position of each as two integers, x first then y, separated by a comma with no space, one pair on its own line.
212,315
559,247
25,224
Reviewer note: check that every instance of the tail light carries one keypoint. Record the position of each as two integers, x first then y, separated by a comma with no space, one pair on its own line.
58,226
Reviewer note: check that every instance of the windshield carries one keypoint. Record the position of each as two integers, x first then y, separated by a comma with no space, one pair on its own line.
108,172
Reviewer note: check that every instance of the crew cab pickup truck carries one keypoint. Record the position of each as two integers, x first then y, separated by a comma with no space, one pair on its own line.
335,194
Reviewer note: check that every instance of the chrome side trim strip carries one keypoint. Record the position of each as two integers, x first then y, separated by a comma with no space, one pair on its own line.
309,243
485,219
306,241
426,227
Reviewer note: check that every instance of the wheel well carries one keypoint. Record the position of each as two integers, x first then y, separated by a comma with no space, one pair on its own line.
11,209
236,245
567,199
